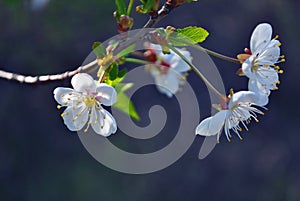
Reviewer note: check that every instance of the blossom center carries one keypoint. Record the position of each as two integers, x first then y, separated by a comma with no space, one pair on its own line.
90,101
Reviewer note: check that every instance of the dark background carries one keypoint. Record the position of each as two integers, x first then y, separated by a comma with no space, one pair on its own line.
41,160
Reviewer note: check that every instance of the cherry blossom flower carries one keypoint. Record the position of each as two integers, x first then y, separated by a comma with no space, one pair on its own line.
168,70
238,110
84,105
260,62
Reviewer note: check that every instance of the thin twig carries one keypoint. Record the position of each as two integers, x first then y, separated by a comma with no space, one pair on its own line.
164,11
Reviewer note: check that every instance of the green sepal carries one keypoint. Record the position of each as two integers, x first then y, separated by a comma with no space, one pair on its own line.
99,50
126,51
113,73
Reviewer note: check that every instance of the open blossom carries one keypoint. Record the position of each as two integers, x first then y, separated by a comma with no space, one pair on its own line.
84,105
168,70
239,110
261,61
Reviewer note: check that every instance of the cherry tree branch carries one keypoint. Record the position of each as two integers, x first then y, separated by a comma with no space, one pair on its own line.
154,18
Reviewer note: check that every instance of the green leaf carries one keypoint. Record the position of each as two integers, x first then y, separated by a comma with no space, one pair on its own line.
121,8
99,50
124,104
187,36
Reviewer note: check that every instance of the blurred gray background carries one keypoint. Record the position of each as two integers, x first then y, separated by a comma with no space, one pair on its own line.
41,160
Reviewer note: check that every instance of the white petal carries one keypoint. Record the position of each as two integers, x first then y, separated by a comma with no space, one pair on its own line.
107,95
267,76
75,118
83,82
212,125
164,91
260,38
217,121
247,67
203,127
178,64
168,81
103,122
271,55
156,48
68,117
261,93
64,95
242,96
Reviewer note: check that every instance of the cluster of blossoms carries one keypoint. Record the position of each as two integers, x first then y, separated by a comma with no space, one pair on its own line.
259,64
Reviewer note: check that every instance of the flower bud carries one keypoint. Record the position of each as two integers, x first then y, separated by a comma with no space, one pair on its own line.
125,23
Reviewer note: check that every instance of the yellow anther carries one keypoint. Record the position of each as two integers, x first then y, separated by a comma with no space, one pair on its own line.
277,36
280,72
262,113
282,56
62,115
62,95
67,113
275,88
85,130
278,82
240,129
256,120
73,120
283,60
58,106
231,92
279,44
241,139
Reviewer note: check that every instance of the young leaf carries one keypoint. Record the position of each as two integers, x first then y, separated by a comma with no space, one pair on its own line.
188,35
124,104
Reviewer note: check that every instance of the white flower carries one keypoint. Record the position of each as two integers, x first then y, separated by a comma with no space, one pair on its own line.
84,105
238,110
261,66
170,69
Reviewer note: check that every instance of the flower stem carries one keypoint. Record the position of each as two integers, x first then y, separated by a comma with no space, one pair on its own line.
130,7
195,69
215,54
137,61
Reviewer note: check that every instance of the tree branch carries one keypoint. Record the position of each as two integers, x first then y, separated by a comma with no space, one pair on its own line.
164,11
